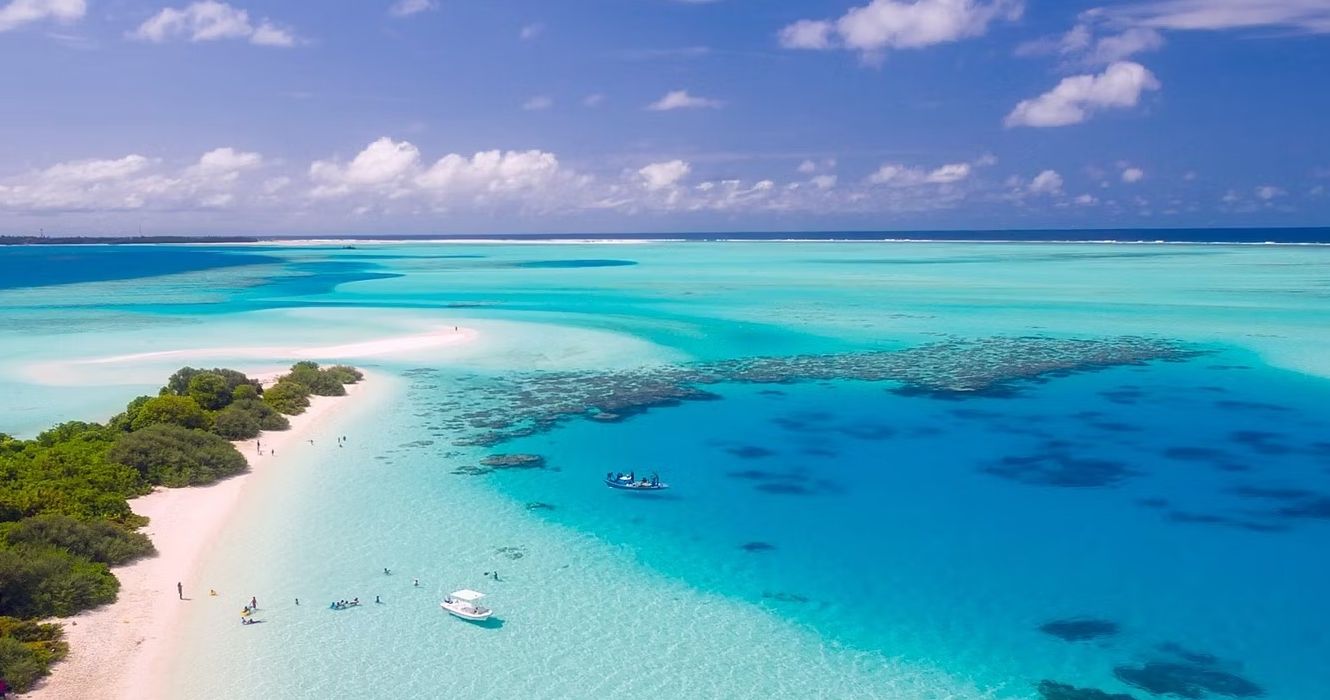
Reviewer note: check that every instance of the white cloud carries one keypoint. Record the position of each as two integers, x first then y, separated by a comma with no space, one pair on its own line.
897,175
659,176
223,161
896,24
531,31
489,172
807,166
210,20
1086,200
823,182
807,34
593,100
1269,192
1046,182
1305,15
406,8
680,99
1077,97
17,13
1095,40
383,162
1132,175
132,182
538,103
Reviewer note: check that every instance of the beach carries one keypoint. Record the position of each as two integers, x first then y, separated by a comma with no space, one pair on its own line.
120,650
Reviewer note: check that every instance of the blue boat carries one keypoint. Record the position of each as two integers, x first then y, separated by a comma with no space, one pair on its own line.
630,482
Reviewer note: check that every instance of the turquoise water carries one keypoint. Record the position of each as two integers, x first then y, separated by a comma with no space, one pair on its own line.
823,539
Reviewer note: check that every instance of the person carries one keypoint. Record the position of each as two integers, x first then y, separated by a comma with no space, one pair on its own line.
254,602
376,599
415,582
355,601
632,476
212,592
297,601
180,590
609,476
386,572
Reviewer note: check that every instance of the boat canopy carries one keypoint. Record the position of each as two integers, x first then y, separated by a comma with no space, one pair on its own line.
468,595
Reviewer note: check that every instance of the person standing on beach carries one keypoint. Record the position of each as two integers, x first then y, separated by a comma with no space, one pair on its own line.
254,602
180,590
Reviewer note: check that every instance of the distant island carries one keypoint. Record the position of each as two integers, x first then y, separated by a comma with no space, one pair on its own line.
121,240
65,519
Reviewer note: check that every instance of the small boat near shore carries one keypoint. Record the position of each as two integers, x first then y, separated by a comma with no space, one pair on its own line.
463,604
630,482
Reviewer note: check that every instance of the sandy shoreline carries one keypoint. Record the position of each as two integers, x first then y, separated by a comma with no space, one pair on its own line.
121,650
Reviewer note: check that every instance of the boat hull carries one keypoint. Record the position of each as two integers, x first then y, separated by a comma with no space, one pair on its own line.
624,486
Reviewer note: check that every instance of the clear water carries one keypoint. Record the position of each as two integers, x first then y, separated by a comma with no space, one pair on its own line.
902,566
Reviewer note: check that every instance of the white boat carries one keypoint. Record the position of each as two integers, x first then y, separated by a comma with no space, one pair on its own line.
463,604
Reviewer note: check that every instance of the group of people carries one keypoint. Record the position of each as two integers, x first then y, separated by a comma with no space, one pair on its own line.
344,604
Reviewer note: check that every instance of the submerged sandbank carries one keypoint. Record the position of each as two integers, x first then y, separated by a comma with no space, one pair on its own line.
120,650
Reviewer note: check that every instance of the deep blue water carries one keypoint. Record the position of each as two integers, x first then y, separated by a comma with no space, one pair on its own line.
1185,504
40,266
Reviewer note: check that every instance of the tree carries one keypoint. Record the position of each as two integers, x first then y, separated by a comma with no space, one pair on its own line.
49,582
178,384
345,374
235,423
267,417
27,650
245,392
209,390
170,455
173,410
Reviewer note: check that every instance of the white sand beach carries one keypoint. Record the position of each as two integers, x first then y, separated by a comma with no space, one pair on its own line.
119,650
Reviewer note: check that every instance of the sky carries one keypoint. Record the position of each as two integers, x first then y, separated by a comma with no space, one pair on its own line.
602,116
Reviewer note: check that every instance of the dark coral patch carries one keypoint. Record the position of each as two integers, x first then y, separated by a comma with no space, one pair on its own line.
757,546
1189,680
1052,690
1235,405
1079,629
750,452
1054,467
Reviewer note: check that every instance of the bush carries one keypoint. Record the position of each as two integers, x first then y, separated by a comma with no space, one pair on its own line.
48,582
345,374
171,410
23,663
170,455
96,540
287,396
320,383
235,424
267,417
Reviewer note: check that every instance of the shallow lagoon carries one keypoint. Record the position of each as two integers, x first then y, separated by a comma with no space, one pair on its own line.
825,539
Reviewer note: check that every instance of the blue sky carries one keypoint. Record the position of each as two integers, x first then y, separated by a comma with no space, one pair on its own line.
474,116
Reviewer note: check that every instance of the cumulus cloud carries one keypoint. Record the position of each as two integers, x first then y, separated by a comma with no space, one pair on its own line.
1076,98
884,25
680,99
1096,40
383,162
659,176
897,175
531,31
1046,182
389,170
1269,192
406,8
210,20
132,182
17,13
1132,175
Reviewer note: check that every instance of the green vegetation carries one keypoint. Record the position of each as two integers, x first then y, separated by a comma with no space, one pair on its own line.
290,395
27,650
64,515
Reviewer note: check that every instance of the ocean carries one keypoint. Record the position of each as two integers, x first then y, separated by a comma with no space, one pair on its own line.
899,469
